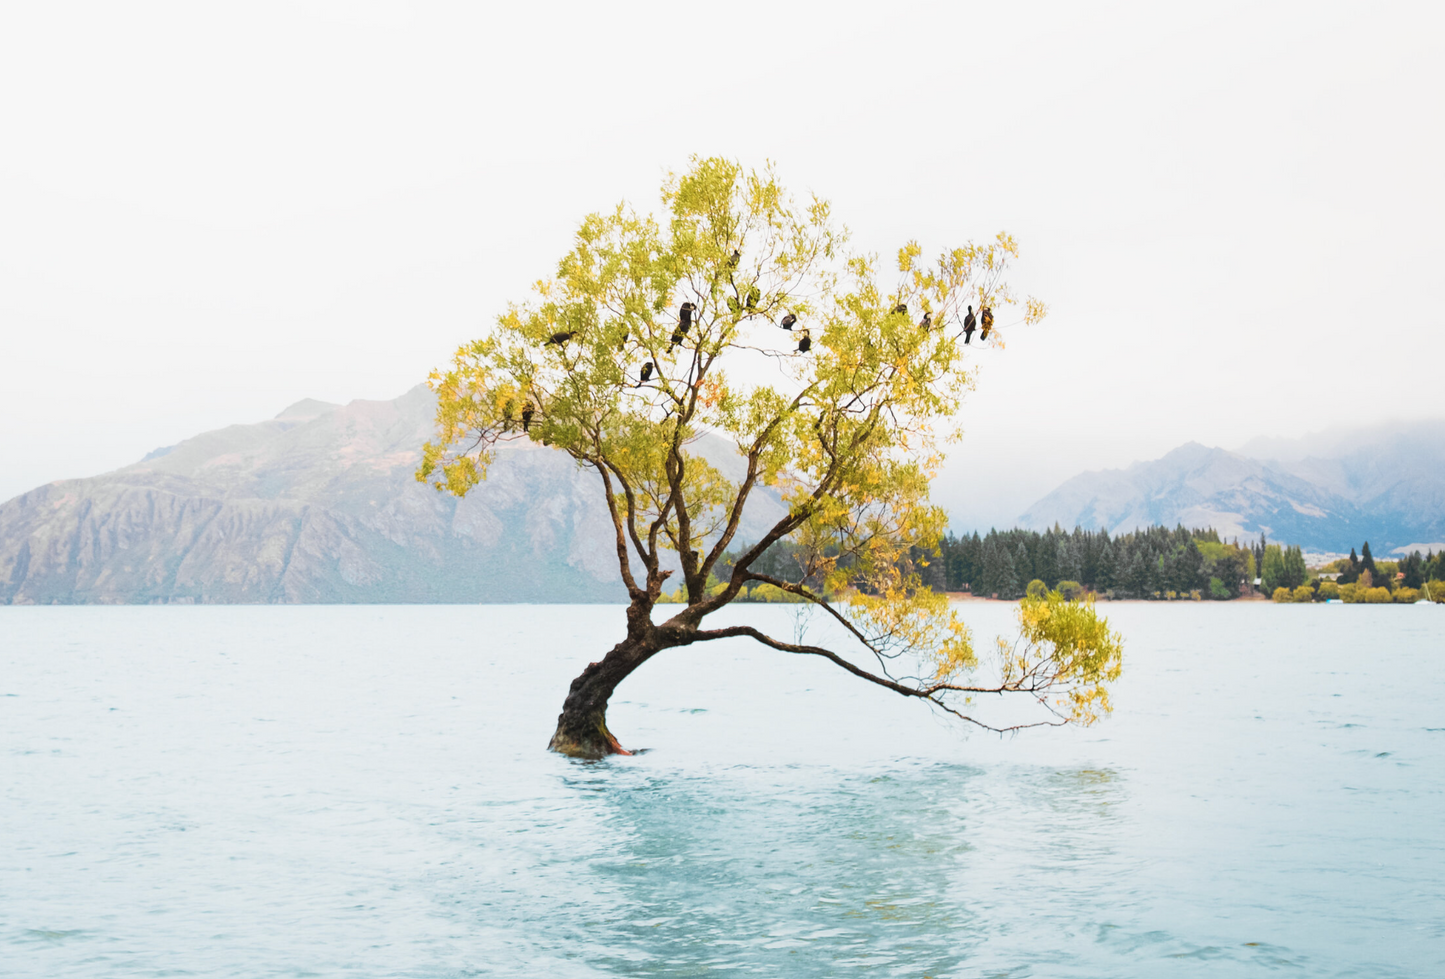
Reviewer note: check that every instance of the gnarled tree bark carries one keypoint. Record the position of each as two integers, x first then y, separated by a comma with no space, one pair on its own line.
582,730
582,726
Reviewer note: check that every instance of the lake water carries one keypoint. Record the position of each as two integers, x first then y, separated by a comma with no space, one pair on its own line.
363,791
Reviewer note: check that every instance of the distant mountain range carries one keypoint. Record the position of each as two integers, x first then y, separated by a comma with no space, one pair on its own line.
319,504
1326,492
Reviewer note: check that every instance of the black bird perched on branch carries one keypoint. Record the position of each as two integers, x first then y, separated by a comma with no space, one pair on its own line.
560,338
986,315
969,325
901,308
927,321
684,323
736,257
788,321
527,412
646,373
805,343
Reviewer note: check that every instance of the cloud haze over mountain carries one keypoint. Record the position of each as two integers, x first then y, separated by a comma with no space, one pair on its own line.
1328,491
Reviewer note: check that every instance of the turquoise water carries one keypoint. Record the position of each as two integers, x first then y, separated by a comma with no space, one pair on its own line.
363,791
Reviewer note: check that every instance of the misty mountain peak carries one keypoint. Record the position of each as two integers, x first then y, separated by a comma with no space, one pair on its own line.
1332,490
305,410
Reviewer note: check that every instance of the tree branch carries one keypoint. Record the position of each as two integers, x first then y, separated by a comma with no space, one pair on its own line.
624,560
928,693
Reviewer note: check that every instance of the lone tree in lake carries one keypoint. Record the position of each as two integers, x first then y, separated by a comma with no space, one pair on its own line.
740,312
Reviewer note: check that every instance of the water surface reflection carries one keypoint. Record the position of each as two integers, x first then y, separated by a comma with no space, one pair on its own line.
363,792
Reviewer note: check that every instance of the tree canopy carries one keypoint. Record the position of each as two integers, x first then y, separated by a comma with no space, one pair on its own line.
741,311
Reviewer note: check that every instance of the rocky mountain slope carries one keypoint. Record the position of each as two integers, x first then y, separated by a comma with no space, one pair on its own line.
319,505
1327,492
1393,473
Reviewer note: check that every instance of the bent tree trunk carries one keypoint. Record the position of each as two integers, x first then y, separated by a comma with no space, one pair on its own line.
582,726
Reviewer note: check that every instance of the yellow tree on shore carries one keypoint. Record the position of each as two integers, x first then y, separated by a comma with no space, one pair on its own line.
740,311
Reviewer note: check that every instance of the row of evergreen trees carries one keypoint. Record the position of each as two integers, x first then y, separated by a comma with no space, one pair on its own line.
1151,563
1281,567
1418,568
1141,564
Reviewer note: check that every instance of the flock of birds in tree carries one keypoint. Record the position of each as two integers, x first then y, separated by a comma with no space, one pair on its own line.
983,323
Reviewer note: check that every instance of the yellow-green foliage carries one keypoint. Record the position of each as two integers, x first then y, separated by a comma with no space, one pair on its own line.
1304,593
849,433
1329,590
908,618
1210,550
772,593
1071,644
1377,596
1407,596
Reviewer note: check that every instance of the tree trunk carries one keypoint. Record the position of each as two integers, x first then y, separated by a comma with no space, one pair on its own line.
582,726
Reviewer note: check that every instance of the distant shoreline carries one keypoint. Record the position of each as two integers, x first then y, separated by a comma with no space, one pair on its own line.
964,597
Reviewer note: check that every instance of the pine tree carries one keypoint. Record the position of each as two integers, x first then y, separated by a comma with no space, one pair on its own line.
1021,572
1086,546
1351,574
1070,568
974,563
1414,570
1046,560
1136,573
1271,570
1106,568
992,567
1295,572
1191,568
1004,582
1160,570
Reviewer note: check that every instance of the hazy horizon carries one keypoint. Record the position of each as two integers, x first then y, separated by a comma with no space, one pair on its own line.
211,214
1261,448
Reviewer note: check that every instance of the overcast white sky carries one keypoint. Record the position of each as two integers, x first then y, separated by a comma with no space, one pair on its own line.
208,212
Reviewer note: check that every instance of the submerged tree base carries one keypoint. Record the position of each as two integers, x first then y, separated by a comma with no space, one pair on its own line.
584,738
582,726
